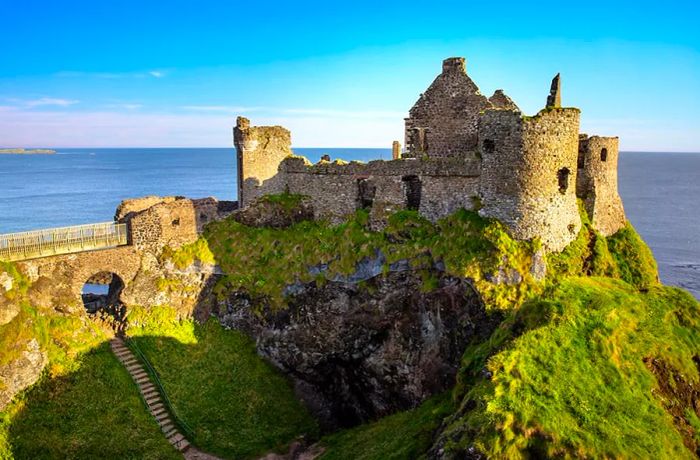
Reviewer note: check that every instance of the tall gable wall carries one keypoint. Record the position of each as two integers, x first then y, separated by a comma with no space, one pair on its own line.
444,120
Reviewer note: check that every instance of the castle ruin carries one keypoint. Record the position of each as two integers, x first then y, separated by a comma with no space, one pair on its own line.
462,150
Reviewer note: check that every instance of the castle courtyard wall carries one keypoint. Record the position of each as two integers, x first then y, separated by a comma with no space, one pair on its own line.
445,185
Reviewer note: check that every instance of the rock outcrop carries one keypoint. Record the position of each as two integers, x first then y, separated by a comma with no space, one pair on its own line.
20,373
359,351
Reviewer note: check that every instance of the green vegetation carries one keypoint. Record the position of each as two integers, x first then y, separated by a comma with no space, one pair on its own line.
403,435
563,375
236,403
62,336
568,376
93,412
263,261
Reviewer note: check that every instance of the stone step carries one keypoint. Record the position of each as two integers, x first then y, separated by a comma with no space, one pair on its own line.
142,380
147,387
174,439
162,416
172,432
183,446
138,375
153,400
150,393
166,426
156,411
157,407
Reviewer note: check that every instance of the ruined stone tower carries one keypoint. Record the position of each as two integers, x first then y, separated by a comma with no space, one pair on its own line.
596,183
260,150
444,120
528,173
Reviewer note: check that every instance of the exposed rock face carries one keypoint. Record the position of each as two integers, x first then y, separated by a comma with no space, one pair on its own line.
8,309
358,351
20,373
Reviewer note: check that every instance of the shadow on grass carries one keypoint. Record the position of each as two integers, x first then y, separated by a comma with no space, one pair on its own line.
237,405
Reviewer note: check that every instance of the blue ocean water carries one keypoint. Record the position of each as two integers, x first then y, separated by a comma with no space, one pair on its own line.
660,191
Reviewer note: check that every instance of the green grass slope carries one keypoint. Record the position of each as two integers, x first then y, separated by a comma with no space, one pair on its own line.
236,403
93,412
575,382
405,435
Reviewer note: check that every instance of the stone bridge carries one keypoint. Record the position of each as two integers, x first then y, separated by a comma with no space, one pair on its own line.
59,262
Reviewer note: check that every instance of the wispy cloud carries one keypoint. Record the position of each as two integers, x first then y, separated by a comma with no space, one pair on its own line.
111,75
44,101
127,106
314,112
139,129
221,108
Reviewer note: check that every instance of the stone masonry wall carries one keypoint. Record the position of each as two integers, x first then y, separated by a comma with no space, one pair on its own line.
596,182
174,221
444,120
260,149
528,178
337,190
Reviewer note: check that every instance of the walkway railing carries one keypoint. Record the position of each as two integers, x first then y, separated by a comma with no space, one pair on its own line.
65,240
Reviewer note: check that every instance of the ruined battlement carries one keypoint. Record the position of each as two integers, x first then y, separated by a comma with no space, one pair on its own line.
461,149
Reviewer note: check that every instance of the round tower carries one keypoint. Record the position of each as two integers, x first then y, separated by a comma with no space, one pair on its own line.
528,175
596,183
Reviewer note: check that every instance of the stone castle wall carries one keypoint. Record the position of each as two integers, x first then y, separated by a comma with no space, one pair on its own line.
260,151
435,187
528,179
444,121
156,222
596,182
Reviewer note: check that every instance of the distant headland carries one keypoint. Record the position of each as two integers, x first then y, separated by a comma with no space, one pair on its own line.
27,151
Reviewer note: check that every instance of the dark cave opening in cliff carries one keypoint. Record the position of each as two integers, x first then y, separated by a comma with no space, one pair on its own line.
101,296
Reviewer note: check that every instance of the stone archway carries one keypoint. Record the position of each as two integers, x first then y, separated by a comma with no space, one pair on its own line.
101,297
100,290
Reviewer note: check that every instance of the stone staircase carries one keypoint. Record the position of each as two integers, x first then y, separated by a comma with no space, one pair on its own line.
150,394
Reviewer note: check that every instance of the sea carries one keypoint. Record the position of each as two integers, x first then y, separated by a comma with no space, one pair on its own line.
660,191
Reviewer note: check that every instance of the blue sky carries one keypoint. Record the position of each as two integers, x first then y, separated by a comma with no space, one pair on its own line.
338,74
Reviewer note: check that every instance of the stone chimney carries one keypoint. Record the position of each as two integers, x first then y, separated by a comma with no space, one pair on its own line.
454,64
554,98
396,150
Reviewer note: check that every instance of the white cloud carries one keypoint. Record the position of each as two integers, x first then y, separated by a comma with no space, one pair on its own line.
50,101
126,106
220,108
303,112
139,129
157,73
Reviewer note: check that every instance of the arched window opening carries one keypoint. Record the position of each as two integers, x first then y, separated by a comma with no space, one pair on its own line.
563,178
412,192
604,154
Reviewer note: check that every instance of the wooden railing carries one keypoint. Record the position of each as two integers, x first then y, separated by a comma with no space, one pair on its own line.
66,240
